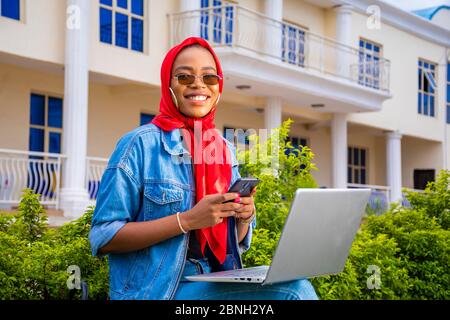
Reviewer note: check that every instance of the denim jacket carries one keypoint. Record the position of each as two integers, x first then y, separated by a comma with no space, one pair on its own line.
149,176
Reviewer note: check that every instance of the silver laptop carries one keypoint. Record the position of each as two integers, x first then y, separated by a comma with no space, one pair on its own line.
315,240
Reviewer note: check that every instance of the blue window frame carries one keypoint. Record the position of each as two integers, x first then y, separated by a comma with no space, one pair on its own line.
427,88
45,135
237,136
121,30
213,19
297,143
293,44
448,92
10,9
46,119
146,118
369,64
122,23
357,165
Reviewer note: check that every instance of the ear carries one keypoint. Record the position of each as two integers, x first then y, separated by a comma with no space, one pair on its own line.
174,98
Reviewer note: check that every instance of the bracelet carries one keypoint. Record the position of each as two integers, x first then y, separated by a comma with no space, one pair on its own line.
250,219
179,223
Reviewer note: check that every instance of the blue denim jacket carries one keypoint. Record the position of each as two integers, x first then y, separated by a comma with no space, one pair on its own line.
149,176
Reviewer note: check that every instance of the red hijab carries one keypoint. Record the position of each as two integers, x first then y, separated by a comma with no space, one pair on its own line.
210,178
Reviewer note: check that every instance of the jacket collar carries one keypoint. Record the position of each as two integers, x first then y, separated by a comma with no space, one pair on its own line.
173,143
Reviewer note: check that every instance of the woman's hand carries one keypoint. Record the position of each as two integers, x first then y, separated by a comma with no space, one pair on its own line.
210,211
248,207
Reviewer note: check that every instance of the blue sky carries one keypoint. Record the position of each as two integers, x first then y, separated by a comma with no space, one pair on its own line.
417,4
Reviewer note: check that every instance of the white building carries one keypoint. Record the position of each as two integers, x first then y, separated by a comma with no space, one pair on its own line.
366,83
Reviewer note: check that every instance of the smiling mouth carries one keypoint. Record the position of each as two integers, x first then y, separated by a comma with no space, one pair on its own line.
197,98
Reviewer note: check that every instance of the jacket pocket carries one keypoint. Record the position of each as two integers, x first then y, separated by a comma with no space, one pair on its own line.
161,200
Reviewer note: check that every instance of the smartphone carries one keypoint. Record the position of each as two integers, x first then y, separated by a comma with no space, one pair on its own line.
244,186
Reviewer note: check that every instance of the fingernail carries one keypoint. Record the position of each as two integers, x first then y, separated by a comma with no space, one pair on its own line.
237,200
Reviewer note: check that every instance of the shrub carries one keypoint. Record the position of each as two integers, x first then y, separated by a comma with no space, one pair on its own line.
35,259
408,247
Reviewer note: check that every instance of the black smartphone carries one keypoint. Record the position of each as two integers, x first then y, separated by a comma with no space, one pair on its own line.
244,186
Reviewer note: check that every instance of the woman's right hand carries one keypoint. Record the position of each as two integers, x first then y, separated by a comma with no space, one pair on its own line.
209,211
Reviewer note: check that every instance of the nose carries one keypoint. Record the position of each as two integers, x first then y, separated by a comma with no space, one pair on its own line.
198,82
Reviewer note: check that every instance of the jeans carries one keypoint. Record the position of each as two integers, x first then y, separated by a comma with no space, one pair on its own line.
188,290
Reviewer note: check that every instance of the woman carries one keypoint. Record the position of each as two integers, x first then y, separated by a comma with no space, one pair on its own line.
163,211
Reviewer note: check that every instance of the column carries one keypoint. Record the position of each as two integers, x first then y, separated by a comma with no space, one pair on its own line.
339,150
74,196
394,165
189,23
272,41
273,113
343,36
272,120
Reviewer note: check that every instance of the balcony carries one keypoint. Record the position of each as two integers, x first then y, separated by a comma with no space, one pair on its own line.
274,56
41,172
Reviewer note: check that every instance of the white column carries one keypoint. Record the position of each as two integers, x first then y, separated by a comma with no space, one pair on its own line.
343,36
272,120
394,165
339,150
189,25
273,113
272,40
74,196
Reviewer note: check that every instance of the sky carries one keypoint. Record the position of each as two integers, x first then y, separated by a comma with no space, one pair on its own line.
410,5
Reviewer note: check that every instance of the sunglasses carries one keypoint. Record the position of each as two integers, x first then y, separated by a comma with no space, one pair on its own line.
208,79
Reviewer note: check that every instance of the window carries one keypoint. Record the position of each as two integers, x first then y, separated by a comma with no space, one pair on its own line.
369,64
10,9
293,44
427,88
146,118
122,22
448,92
422,177
211,21
45,123
45,135
296,143
357,165
238,137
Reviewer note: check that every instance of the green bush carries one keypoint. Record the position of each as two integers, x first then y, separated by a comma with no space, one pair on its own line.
408,247
402,254
35,258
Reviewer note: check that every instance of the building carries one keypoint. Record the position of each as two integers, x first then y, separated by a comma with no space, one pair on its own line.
366,83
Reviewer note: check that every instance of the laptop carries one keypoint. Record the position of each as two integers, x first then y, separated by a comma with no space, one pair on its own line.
315,240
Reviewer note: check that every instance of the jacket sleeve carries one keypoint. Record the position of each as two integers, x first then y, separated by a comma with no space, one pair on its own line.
118,200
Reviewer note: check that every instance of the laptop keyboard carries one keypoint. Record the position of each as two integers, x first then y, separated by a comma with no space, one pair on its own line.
250,272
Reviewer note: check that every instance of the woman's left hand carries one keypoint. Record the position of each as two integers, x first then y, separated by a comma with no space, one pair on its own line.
248,206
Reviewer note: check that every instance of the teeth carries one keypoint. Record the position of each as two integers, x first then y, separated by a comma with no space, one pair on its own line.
198,98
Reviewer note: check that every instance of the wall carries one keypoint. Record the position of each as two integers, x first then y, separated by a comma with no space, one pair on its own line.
31,37
400,112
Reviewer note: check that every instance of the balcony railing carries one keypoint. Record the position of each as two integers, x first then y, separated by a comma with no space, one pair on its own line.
379,198
38,171
237,27
95,167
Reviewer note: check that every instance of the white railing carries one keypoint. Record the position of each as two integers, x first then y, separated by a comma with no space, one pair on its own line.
38,171
234,26
94,172
379,198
